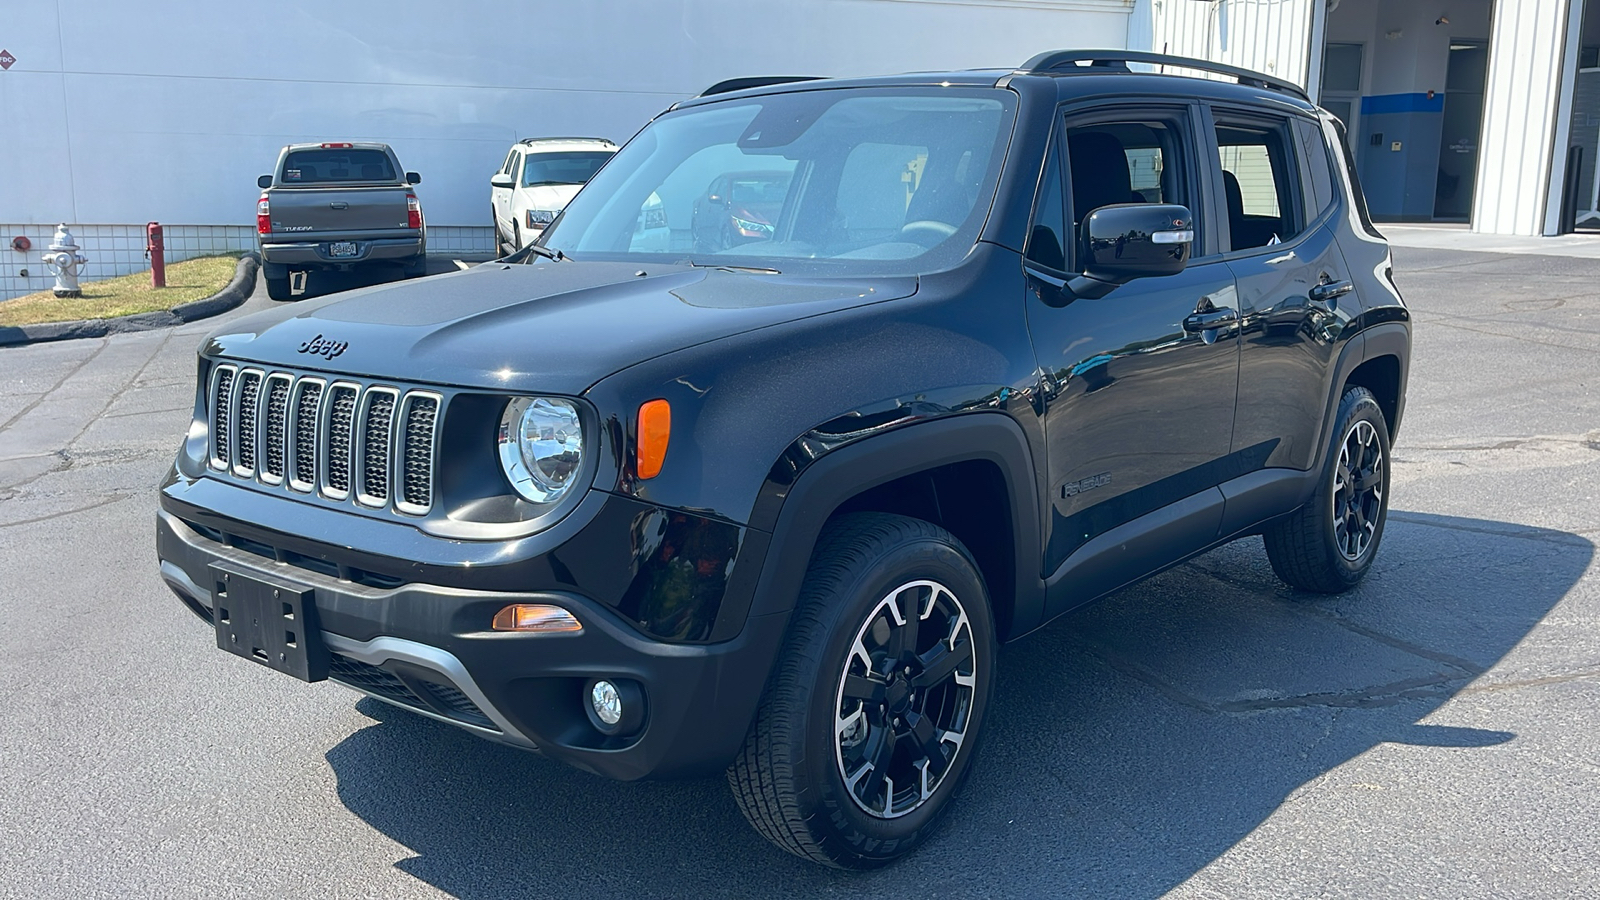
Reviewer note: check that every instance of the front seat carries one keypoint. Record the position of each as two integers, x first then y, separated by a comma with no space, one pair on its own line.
1099,173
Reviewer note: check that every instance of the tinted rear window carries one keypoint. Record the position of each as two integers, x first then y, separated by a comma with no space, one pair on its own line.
311,166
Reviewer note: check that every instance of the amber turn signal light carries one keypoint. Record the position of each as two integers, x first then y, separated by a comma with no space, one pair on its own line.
655,427
535,617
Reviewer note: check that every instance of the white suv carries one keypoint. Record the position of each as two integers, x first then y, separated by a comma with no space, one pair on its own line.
538,178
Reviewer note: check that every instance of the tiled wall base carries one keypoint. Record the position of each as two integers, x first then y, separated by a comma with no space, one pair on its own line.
114,250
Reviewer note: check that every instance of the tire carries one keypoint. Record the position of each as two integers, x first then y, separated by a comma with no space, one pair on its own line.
516,237
790,777
278,288
1327,546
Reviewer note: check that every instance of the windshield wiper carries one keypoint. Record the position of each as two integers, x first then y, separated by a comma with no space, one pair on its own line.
550,183
522,256
753,270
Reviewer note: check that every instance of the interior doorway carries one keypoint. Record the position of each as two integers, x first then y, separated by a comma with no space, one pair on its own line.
1459,132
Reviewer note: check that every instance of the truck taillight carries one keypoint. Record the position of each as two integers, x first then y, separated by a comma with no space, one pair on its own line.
413,211
263,216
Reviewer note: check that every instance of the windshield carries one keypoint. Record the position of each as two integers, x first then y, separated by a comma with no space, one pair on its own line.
873,180
574,167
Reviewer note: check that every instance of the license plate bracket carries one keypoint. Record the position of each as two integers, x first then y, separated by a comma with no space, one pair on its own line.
342,249
268,621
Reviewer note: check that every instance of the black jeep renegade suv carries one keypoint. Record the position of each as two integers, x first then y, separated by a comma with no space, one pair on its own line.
994,345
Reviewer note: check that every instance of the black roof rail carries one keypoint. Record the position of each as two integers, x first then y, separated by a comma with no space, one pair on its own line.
1053,60
740,84
531,140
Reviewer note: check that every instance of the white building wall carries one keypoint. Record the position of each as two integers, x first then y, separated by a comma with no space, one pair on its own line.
1528,67
120,112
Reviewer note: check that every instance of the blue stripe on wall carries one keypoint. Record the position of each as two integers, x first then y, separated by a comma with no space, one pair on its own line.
1401,103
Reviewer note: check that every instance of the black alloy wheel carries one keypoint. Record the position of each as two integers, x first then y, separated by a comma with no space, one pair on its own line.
1328,545
905,699
873,713
1357,490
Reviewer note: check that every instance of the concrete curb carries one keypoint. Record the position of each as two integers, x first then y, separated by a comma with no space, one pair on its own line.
237,291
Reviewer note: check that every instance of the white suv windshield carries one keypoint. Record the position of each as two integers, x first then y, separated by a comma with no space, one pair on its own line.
892,180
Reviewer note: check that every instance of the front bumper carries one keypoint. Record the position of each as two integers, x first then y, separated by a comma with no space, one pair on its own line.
315,253
429,648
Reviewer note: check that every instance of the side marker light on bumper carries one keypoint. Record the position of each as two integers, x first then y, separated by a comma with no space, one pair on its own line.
537,618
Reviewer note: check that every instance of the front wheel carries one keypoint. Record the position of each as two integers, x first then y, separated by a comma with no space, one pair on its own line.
870,721
1329,544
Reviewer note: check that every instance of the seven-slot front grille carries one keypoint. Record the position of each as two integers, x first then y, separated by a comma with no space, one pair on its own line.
340,440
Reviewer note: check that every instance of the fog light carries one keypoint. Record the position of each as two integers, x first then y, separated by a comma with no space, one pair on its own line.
615,706
606,702
535,617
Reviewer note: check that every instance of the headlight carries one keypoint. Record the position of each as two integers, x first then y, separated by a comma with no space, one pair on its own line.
752,229
541,447
539,218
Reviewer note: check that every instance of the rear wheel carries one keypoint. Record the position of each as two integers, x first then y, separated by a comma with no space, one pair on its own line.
870,722
1329,544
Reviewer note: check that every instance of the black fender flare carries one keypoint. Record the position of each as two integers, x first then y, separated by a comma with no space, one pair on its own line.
1374,341
1392,338
839,475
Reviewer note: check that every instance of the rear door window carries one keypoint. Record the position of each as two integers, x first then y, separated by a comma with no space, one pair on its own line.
1260,181
335,165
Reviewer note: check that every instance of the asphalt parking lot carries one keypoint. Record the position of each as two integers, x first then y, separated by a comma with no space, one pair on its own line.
1206,734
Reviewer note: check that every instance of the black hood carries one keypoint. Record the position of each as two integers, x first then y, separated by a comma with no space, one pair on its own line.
553,327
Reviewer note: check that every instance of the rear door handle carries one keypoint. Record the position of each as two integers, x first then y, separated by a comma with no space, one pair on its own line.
1329,290
1207,321
339,204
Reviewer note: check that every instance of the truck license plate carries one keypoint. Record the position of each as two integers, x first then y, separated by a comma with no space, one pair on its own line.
342,248
273,623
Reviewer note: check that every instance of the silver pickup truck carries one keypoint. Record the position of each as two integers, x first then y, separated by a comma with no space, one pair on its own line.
337,206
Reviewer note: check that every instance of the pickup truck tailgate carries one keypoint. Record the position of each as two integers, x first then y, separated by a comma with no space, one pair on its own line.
340,209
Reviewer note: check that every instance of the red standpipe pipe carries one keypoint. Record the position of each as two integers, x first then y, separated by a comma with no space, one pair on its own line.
156,250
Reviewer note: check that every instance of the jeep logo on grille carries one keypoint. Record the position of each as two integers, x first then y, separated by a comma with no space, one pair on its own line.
320,346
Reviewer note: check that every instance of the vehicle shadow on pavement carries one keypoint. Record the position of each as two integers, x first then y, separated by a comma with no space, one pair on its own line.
1131,743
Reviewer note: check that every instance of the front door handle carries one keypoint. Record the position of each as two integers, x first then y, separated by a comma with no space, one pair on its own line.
1208,321
1326,291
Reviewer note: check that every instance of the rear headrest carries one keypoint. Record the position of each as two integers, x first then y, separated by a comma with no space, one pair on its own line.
1235,195
371,172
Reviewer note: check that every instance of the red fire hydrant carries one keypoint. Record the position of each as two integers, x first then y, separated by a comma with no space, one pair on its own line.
156,252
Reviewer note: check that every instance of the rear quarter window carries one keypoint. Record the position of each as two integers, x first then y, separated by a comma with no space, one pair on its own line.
317,166
1316,167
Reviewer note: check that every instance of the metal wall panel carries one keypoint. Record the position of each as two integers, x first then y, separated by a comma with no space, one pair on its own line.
1527,52
1271,36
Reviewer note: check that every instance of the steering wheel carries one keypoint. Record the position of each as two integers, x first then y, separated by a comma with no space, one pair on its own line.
921,229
